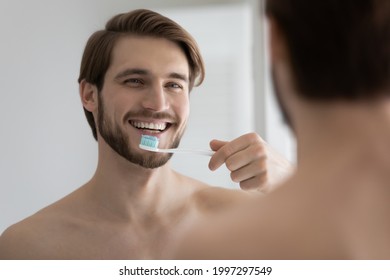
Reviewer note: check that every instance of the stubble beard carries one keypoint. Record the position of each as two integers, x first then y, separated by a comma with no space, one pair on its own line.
116,138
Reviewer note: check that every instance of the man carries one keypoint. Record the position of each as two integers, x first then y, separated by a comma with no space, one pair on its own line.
331,66
135,80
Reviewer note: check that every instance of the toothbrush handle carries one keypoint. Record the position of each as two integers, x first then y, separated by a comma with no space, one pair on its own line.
184,151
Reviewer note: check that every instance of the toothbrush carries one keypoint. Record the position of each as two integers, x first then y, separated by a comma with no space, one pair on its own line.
150,143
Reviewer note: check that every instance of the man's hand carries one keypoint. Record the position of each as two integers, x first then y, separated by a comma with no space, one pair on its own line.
251,162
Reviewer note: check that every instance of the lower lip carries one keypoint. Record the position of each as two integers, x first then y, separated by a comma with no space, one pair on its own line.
148,132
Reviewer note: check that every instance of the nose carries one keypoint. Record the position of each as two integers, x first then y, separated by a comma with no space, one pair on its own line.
155,99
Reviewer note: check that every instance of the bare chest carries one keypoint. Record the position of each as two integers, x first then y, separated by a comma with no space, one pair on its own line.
117,242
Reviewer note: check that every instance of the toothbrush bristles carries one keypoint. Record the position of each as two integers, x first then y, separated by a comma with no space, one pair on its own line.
149,141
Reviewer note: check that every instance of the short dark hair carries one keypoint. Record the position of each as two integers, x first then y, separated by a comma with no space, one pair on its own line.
97,53
338,49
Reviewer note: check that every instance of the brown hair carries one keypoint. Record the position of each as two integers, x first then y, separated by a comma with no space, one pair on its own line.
97,53
338,49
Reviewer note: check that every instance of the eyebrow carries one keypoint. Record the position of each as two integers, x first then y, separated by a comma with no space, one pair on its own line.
179,76
131,71
140,71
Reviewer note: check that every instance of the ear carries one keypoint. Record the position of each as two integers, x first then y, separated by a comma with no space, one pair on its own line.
277,44
88,96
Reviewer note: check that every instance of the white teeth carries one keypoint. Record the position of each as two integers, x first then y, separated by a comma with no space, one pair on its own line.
153,126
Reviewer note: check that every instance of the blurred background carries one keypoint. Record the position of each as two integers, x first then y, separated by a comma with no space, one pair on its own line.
47,149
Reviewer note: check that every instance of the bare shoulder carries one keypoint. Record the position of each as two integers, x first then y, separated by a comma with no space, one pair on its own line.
207,198
215,199
41,235
280,225
28,239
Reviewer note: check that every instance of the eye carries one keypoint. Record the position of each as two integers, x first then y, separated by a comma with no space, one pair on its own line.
174,85
133,82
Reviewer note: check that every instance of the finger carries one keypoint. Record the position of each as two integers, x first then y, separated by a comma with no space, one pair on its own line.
216,160
258,183
231,148
254,169
215,145
254,153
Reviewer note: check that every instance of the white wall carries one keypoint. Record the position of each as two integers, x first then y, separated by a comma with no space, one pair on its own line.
46,148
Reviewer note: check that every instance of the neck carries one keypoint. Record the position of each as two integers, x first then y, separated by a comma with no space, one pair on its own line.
126,189
351,134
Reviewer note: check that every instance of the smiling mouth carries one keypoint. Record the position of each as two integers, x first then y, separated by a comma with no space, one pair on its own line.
150,126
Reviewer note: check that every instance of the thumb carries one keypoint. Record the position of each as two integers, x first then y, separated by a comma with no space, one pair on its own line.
215,145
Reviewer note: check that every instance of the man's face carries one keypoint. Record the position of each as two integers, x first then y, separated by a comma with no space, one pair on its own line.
146,91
